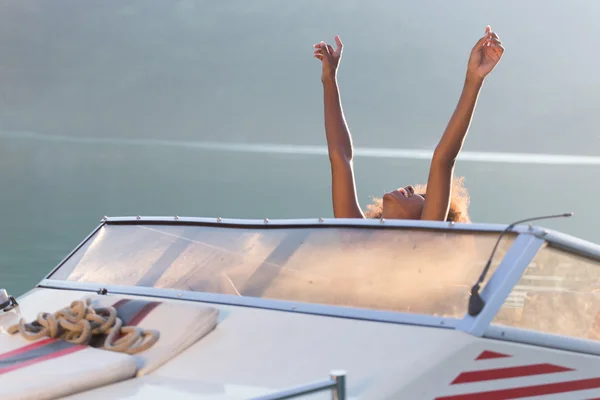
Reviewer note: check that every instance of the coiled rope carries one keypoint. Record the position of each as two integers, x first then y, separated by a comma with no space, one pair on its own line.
79,322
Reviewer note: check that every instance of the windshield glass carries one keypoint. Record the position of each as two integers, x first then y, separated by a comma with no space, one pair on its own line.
410,270
558,293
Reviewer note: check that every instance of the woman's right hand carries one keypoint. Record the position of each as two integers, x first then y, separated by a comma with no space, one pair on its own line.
329,57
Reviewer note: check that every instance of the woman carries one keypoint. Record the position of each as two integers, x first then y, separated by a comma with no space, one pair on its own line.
446,199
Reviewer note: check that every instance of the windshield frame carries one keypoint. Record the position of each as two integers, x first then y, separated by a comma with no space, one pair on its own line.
529,240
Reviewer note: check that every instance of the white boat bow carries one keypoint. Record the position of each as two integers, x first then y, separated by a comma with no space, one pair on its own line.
311,308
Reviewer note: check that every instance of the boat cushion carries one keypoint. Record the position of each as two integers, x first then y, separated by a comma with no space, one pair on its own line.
51,368
180,325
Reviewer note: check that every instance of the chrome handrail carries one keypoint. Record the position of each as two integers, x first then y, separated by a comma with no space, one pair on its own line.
336,383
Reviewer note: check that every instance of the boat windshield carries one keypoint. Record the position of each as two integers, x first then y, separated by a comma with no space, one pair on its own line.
559,293
402,269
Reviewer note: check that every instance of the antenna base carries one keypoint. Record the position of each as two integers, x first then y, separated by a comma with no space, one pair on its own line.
476,303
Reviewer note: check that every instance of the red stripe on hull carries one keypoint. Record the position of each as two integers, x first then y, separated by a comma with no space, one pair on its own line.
528,391
510,372
486,355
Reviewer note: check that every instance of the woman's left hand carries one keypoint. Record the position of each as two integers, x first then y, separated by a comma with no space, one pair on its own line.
485,55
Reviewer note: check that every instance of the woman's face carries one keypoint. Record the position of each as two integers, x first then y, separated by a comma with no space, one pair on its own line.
403,203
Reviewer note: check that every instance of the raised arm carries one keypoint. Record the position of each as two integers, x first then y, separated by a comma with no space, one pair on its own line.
339,141
484,57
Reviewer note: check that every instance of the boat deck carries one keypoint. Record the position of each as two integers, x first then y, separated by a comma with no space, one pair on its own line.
385,302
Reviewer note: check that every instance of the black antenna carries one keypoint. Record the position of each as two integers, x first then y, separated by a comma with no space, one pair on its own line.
476,303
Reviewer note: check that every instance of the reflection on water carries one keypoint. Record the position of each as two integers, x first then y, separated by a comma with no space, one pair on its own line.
55,194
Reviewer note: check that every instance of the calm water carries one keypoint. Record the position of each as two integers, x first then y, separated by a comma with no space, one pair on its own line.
102,104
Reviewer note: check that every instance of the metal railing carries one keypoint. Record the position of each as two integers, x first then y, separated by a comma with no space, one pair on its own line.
336,383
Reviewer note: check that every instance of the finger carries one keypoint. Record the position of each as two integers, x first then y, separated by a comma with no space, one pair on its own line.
496,48
326,52
318,45
330,49
494,51
480,43
494,35
319,56
488,29
338,44
492,42
499,48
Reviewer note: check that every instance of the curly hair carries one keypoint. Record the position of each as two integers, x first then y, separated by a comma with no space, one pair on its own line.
459,202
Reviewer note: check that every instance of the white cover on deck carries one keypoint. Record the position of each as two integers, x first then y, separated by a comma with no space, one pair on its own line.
180,325
50,368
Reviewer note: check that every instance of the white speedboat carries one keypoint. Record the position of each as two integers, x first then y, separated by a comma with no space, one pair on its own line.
319,309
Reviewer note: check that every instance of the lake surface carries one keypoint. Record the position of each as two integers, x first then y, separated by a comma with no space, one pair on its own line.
197,108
